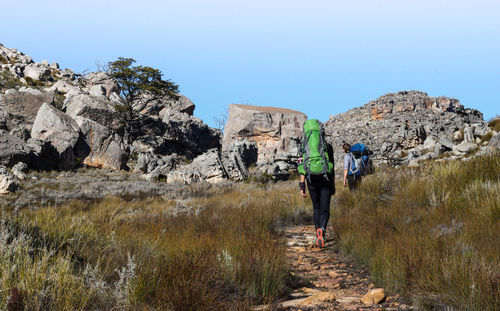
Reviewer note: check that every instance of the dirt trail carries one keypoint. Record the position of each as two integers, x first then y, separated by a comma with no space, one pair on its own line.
330,281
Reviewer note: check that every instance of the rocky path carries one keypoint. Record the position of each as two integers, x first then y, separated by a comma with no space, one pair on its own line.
329,282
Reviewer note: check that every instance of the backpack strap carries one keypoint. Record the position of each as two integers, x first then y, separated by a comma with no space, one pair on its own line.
322,147
353,163
306,152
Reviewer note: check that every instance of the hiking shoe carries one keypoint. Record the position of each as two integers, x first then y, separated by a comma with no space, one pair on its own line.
320,242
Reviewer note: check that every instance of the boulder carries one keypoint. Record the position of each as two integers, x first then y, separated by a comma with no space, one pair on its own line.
37,71
12,150
237,157
60,130
152,105
96,108
206,167
187,135
276,133
64,87
97,90
22,108
162,167
19,170
8,182
429,144
68,74
464,148
446,143
373,297
495,141
99,146
103,80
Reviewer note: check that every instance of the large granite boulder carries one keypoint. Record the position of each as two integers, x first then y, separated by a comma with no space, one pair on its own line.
12,150
100,144
54,126
276,133
96,108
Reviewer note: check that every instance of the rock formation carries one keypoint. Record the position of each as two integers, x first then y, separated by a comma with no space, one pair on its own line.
274,132
52,118
400,123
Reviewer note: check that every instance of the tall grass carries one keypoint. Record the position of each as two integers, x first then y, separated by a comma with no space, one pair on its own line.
431,233
216,248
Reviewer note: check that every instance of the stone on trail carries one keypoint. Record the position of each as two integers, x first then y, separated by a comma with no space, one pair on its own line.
374,296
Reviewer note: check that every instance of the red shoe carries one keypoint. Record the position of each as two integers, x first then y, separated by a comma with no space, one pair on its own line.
320,242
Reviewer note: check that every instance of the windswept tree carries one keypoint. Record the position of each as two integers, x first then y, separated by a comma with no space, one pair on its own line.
134,80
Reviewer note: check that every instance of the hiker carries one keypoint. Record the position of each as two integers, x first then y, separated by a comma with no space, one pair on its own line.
317,169
350,179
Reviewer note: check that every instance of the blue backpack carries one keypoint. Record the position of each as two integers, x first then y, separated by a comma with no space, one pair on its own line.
361,163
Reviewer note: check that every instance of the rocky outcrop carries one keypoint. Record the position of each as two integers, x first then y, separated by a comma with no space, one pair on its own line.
12,150
400,123
275,132
54,126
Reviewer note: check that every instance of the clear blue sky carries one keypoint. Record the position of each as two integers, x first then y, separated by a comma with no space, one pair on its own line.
319,57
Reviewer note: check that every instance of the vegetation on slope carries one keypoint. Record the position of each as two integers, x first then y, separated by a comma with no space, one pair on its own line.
219,250
431,234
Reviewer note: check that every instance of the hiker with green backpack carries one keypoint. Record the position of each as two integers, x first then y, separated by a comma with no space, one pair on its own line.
317,168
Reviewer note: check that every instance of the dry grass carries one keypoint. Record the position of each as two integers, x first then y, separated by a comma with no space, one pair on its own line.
494,124
215,248
431,234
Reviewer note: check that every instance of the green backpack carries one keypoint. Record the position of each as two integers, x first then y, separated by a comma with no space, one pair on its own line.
314,151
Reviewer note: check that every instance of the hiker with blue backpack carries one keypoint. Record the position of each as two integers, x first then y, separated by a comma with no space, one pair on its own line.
317,169
356,164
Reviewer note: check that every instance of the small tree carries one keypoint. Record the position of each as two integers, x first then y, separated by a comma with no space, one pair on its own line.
134,80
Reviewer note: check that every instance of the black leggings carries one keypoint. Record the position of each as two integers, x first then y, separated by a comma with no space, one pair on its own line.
320,191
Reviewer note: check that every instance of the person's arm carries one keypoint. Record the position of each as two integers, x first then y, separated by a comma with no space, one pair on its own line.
302,185
330,156
347,163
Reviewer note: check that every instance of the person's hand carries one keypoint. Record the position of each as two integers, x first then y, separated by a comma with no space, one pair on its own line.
303,193
345,183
